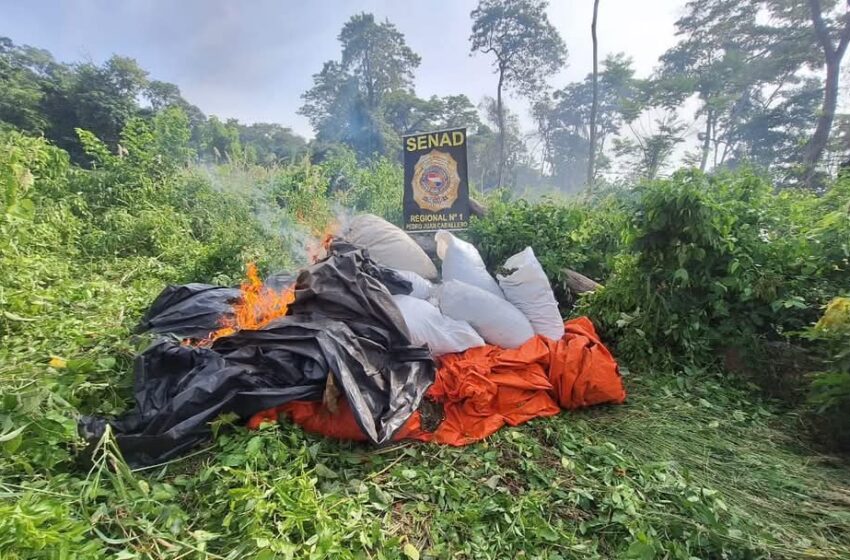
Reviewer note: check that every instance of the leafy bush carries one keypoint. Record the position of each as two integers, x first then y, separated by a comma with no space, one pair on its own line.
829,396
717,262
564,234
696,269
373,187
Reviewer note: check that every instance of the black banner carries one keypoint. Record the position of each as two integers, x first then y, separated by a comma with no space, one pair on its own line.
436,189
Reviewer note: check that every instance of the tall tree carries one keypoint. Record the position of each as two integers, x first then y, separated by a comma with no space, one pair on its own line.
347,101
833,35
591,157
525,46
484,146
97,98
24,72
728,55
649,149
272,143
378,56
458,110
406,113
564,119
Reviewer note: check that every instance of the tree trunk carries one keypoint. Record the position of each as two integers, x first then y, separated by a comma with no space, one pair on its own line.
706,142
591,157
501,117
832,58
817,144
370,85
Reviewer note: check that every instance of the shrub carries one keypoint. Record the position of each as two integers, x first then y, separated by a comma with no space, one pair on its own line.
829,396
564,234
374,187
716,262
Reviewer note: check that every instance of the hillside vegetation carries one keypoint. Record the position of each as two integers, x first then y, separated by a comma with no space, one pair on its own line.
713,287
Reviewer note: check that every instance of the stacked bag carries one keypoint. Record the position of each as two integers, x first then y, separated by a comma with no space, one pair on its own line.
469,308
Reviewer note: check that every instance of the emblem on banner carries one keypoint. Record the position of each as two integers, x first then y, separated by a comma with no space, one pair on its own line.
435,181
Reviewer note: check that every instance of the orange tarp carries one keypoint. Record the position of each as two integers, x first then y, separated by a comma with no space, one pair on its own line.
485,388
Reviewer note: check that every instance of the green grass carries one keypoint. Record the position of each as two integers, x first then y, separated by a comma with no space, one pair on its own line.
688,468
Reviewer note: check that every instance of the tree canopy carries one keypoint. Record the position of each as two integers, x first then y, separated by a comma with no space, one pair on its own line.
762,74
526,49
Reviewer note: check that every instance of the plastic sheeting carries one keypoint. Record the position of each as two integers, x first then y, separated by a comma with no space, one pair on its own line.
485,388
343,322
196,310
189,311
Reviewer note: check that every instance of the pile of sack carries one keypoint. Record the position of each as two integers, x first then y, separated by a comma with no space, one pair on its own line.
469,308
375,346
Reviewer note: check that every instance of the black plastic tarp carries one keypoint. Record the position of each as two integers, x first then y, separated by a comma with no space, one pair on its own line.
195,310
343,323
189,311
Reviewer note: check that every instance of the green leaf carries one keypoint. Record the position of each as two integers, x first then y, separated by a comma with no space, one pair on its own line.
204,536
325,472
254,445
640,551
15,317
411,551
9,436
409,474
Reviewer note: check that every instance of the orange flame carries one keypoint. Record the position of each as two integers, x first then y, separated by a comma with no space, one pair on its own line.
317,248
257,307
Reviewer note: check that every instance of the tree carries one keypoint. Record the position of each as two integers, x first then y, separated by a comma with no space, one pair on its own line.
650,148
833,36
485,146
23,70
377,55
526,49
591,158
100,99
729,56
347,101
338,112
769,134
272,143
332,93
220,140
563,120
406,113
163,94
171,128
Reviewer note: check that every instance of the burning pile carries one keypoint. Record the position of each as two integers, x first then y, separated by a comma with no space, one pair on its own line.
372,333
258,305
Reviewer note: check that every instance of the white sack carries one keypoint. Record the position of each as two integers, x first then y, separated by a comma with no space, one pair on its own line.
496,320
462,262
427,325
389,245
422,289
528,288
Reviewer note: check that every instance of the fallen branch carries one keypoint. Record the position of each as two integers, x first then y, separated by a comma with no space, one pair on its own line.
477,209
579,283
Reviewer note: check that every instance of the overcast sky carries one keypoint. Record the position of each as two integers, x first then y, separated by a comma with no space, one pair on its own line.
253,59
